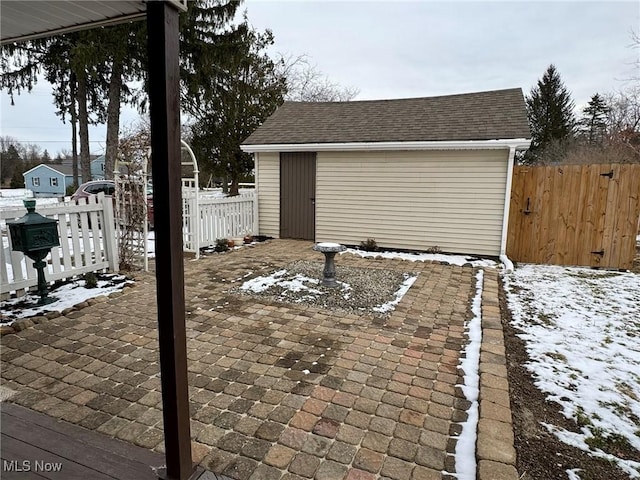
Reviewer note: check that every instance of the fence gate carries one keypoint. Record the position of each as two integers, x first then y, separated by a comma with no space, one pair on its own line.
575,215
190,200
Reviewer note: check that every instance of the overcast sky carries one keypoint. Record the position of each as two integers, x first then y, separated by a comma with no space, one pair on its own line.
395,49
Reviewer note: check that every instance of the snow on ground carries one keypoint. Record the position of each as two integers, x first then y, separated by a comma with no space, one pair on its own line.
391,305
14,193
66,296
151,244
10,198
465,453
13,198
263,283
425,257
573,474
582,331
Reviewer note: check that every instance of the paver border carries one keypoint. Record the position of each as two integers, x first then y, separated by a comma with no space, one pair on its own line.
495,450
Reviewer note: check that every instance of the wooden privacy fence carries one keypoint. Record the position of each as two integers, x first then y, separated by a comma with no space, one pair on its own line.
87,244
575,215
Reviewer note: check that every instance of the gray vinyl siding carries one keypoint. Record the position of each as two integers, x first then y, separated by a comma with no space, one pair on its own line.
413,199
268,187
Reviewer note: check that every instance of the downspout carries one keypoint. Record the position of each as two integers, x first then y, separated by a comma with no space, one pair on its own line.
256,193
508,265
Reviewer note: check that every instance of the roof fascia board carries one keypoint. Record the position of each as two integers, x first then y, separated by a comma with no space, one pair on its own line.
384,146
41,166
76,28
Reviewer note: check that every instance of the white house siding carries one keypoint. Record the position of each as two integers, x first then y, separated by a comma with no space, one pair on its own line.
268,187
410,199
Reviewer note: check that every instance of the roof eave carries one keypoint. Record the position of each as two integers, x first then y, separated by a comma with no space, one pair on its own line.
40,165
81,16
74,28
518,143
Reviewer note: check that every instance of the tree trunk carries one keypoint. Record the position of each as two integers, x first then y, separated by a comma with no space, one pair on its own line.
83,119
235,187
74,131
113,118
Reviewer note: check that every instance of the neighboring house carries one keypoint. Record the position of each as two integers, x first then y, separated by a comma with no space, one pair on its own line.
50,180
97,168
411,173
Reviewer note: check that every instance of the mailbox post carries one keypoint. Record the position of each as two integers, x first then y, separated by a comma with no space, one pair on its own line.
35,236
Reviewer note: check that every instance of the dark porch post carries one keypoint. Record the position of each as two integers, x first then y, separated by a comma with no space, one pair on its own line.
164,98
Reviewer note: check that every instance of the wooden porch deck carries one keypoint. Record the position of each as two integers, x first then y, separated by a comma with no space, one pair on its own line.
35,446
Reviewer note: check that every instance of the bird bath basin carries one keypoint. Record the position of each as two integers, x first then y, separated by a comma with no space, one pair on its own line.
329,250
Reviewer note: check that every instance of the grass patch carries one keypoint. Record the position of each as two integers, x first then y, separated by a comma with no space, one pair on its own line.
612,443
545,318
582,419
556,356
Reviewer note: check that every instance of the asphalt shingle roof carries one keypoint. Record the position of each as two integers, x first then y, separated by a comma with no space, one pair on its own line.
63,168
499,114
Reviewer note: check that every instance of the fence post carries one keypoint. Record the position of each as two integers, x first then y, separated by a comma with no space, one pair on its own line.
256,223
109,233
196,220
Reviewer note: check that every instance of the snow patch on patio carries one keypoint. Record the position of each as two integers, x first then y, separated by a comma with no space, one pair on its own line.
391,305
65,296
263,283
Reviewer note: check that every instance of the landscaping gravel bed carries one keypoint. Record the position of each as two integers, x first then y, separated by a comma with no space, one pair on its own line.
361,290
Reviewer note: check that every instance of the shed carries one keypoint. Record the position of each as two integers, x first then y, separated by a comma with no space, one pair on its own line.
411,173
48,180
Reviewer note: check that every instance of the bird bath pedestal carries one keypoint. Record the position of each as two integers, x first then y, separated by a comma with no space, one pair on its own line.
329,250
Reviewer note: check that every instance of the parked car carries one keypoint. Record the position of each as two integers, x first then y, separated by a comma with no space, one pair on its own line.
93,188
109,187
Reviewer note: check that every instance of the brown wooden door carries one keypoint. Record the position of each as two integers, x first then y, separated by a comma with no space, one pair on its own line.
298,195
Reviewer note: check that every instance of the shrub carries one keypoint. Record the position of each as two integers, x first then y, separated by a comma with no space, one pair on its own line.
434,249
222,245
90,280
369,245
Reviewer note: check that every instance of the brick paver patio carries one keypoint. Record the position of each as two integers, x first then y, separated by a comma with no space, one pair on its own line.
277,390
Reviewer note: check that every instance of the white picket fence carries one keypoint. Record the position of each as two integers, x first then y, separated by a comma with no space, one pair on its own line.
88,236
207,219
88,243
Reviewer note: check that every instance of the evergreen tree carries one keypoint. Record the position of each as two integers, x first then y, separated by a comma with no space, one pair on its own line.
89,70
244,92
550,111
594,119
17,180
71,63
205,35
10,163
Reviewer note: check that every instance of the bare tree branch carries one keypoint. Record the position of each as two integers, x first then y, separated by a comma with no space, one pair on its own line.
305,83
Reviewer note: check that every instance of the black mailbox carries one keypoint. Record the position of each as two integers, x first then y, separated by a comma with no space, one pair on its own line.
35,236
